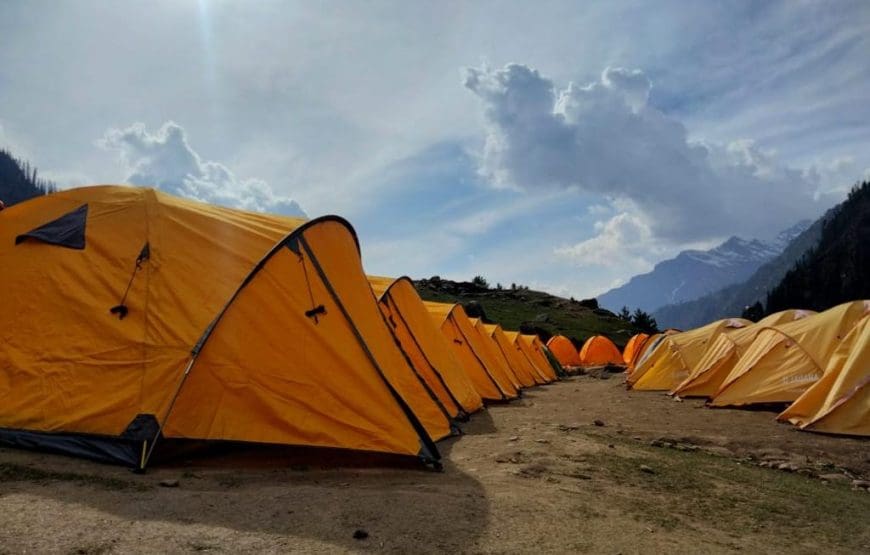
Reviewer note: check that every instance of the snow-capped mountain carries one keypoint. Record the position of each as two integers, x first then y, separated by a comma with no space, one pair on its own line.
694,273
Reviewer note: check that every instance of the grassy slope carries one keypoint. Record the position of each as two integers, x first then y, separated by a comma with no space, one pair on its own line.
513,308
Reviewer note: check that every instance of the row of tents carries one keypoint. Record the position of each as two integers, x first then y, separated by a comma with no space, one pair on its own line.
598,350
132,319
818,364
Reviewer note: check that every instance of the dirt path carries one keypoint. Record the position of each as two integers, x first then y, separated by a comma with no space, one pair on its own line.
538,475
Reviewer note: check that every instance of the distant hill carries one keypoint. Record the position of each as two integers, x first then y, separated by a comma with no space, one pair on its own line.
19,180
530,311
693,273
837,268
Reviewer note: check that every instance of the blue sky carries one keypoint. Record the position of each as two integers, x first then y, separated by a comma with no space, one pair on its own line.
563,145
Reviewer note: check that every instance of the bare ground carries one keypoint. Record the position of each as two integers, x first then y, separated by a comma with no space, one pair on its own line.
537,475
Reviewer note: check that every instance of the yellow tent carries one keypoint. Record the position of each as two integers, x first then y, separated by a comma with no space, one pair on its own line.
783,361
707,376
839,403
527,357
539,356
674,356
512,358
427,349
599,351
633,349
564,351
492,354
130,315
469,350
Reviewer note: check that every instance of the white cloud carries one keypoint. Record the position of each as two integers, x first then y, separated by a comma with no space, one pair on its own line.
624,241
605,138
165,159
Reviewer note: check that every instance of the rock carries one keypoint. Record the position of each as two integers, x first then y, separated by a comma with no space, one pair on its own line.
598,422
360,534
169,483
772,454
678,399
862,484
787,467
718,451
543,317
647,469
542,441
834,477
533,470
806,472
610,445
474,310
569,427
513,438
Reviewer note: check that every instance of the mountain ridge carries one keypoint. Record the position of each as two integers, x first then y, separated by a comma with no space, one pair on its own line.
692,274
733,299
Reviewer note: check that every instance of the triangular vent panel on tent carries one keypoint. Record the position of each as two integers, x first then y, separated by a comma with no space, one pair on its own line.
66,231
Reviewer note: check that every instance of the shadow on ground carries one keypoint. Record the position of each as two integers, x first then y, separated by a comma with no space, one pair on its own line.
295,496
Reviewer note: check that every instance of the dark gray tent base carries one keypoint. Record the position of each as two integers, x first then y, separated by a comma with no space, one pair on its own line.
104,449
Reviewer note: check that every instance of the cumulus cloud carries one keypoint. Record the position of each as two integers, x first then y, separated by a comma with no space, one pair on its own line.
623,241
165,159
605,138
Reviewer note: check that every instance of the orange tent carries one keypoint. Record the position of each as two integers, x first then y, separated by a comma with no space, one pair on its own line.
634,348
539,356
676,354
132,315
564,351
707,375
468,348
599,351
525,354
839,403
512,358
427,349
785,360
495,358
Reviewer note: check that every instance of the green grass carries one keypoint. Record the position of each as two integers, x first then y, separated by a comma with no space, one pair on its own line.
694,487
512,308
10,472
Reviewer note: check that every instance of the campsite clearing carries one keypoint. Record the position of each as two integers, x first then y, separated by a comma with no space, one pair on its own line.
537,474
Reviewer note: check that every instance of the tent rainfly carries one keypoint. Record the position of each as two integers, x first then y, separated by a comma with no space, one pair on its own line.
674,356
545,360
633,349
525,353
600,351
707,376
135,315
839,403
785,360
466,344
493,355
564,351
427,349
510,355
